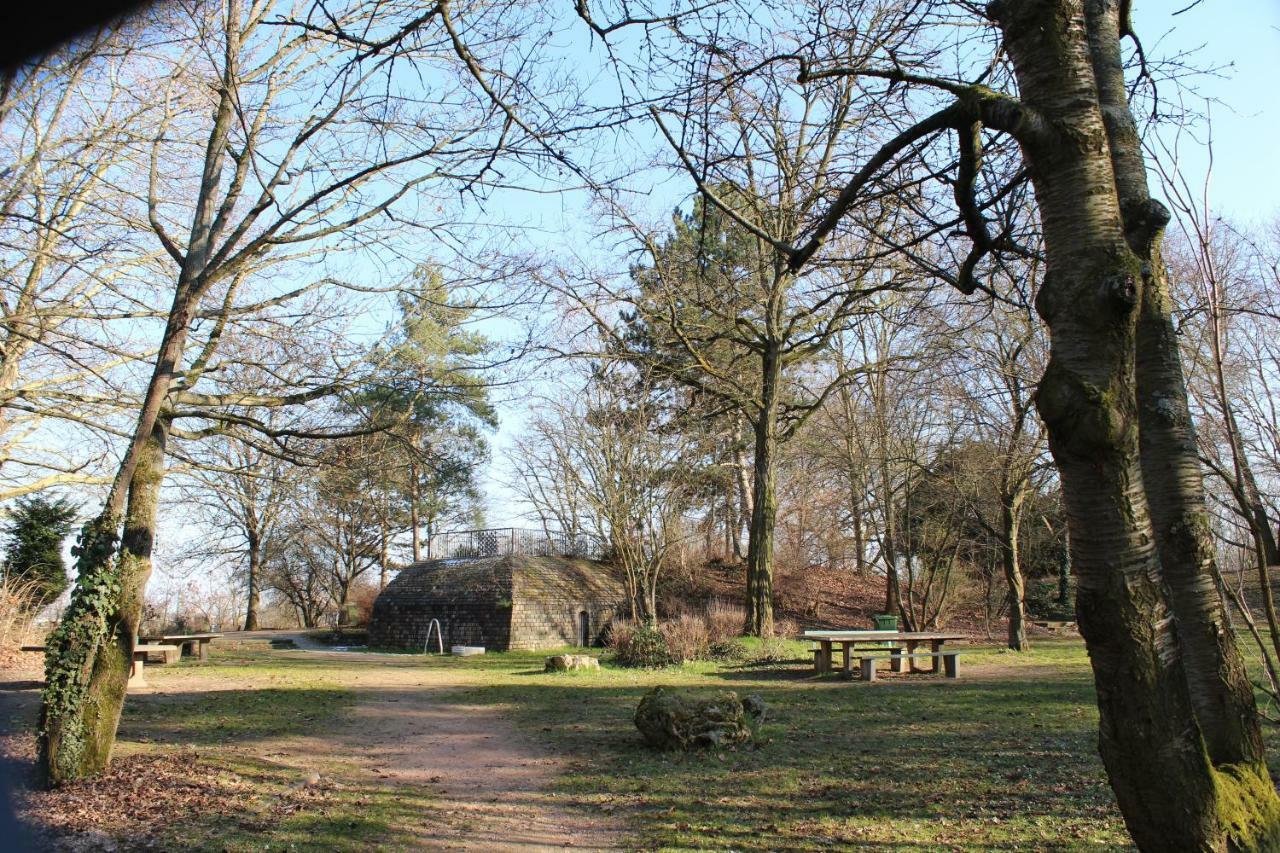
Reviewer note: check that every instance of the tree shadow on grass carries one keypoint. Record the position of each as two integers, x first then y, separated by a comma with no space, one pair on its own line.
217,716
1002,764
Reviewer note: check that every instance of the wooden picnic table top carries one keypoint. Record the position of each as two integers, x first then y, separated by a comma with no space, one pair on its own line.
153,637
870,636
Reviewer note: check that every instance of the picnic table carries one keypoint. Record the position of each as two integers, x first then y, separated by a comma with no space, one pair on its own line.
892,642
137,667
191,644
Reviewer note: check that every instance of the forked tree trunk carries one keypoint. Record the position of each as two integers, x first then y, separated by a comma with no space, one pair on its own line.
77,674
1100,301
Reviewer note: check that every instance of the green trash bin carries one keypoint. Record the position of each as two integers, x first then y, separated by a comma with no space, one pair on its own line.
885,622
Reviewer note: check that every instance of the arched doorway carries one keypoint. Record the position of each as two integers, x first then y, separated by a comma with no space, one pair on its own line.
584,628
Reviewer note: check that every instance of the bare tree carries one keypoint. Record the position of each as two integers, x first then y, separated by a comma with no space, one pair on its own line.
273,182
621,472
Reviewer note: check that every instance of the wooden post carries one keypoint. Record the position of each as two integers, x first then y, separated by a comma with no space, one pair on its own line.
847,653
950,661
895,662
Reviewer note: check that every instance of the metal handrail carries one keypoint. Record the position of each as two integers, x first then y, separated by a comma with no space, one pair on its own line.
439,638
504,541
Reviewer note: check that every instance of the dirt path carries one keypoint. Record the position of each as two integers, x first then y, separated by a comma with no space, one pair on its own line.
492,783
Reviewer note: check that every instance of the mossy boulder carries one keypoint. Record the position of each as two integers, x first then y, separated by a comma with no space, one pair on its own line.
685,720
565,663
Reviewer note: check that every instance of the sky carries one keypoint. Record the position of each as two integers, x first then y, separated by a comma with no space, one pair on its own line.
1240,38
1243,38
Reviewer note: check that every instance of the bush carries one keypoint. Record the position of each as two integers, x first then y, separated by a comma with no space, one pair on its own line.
771,650
16,616
638,645
732,650
687,638
725,620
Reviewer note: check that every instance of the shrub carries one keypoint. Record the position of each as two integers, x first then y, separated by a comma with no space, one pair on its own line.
16,616
771,650
786,628
733,650
687,637
725,620
638,645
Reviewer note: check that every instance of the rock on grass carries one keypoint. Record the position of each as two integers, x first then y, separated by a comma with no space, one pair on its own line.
684,720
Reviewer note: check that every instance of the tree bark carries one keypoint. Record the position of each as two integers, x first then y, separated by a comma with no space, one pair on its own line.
414,519
78,744
764,506
255,568
1010,524
1100,302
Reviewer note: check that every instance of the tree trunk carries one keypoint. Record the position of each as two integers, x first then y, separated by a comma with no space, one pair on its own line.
255,569
76,742
1010,522
1064,572
1170,793
414,518
382,556
72,676
745,508
764,506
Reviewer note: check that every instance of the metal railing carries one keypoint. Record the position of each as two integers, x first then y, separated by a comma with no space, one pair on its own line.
504,541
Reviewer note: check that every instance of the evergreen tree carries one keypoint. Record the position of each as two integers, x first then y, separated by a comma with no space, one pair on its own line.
33,552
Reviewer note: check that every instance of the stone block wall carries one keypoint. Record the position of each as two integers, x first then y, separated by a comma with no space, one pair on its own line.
470,598
513,602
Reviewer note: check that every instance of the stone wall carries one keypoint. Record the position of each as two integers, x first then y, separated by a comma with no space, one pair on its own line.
552,593
515,602
472,600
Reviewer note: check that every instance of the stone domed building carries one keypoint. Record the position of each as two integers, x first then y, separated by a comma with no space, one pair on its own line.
510,601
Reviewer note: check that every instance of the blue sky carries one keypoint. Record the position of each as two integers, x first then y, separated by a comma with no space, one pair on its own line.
1242,36
1239,38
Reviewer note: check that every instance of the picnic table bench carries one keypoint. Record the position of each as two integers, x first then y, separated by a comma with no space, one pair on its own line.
196,645
141,651
950,663
900,647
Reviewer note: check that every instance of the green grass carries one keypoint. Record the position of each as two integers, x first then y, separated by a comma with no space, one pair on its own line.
999,761
274,807
905,764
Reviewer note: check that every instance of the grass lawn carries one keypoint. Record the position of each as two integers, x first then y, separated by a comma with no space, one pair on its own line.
1002,759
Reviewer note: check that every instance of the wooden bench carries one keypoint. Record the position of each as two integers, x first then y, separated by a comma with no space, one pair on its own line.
849,651
950,663
137,678
196,645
